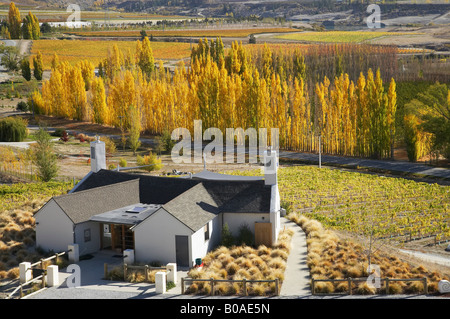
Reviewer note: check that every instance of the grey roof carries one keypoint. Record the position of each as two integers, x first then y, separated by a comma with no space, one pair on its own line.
194,208
82,205
192,201
152,189
129,215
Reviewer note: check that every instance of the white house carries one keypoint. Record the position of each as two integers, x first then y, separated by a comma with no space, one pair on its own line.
163,219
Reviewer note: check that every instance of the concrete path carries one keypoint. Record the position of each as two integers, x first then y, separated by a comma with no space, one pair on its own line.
93,286
296,276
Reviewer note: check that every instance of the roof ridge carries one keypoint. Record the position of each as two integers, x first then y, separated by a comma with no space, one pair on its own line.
95,188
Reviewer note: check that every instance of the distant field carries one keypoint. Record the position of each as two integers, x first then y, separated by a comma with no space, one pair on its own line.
185,33
74,51
340,36
62,15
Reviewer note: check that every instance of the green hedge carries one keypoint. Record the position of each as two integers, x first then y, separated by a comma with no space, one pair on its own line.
13,129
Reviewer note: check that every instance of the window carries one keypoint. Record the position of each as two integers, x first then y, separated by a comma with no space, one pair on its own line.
87,235
206,229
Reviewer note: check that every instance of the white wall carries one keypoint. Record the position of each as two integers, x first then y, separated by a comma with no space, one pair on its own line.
54,229
94,244
199,246
235,220
155,238
275,206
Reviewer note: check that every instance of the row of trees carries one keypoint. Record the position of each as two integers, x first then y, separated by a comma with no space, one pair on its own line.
427,123
228,91
28,28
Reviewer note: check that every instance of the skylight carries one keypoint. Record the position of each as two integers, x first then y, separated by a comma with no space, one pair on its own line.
136,209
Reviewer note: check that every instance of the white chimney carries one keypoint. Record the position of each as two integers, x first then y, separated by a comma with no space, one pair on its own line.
98,155
270,167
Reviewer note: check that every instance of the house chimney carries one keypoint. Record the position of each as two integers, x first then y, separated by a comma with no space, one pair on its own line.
98,155
270,167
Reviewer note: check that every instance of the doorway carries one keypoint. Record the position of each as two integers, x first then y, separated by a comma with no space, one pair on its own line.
117,237
182,250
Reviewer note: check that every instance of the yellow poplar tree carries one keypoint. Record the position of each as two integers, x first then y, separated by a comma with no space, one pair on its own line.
98,101
14,21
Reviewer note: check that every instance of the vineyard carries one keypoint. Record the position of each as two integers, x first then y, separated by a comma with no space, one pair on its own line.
341,36
389,208
74,51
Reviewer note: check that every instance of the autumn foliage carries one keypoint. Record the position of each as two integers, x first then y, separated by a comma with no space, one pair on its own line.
254,86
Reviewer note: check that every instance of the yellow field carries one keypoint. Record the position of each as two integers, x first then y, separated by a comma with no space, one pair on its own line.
340,36
74,51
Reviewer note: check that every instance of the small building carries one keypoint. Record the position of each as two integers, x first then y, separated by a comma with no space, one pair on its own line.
164,219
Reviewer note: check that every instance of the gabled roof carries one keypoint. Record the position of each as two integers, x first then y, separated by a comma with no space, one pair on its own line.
192,201
240,196
194,208
152,189
80,206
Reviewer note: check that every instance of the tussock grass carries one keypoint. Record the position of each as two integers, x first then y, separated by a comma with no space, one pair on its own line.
329,257
239,262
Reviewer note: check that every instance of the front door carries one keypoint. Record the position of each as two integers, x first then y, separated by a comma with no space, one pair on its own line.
182,250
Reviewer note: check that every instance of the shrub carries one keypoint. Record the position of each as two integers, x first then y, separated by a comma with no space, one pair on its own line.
44,156
227,238
245,236
110,146
324,287
395,288
151,160
164,143
22,106
13,129
58,132
13,273
365,289
123,162
65,137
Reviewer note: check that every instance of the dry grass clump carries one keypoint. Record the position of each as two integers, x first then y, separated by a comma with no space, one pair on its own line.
329,257
239,262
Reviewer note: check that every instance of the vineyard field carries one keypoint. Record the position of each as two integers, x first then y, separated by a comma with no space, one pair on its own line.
400,209
74,51
341,36
14,196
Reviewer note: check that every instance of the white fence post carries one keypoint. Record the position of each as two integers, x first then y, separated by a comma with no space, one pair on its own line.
128,256
74,253
52,276
25,272
172,272
160,282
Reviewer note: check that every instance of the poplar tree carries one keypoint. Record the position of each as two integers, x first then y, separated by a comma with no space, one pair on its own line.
30,27
14,21
145,60
99,107
25,67
135,129
38,65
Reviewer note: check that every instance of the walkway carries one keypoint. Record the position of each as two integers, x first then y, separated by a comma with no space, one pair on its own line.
92,286
296,275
